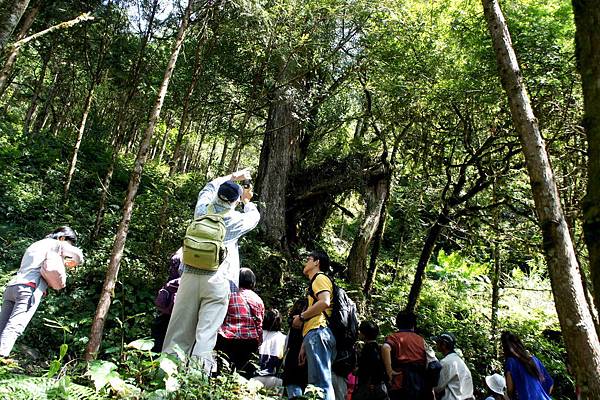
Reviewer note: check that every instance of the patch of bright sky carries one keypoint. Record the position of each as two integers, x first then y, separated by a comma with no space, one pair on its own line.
137,14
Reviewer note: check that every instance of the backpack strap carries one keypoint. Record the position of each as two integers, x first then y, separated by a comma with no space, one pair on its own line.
312,293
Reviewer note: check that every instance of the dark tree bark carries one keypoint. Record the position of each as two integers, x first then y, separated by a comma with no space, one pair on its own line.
36,94
11,58
579,333
11,12
121,236
587,39
375,194
210,159
278,159
426,252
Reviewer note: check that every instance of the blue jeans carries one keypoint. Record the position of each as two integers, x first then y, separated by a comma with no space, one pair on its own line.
319,345
294,391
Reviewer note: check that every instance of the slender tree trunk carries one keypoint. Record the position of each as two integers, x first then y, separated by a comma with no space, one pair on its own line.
12,55
36,94
587,20
42,116
197,159
574,315
496,272
426,252
378,238
86,111
163,146
210,159
105,191
223,156
184,123
134,182
10,15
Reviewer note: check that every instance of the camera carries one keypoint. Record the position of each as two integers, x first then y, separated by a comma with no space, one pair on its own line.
247,184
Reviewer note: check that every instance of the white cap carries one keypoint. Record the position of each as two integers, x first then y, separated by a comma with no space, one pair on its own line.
496,383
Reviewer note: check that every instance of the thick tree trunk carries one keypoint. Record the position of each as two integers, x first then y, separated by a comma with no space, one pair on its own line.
374,196
278,158
587,22
11,58
134,182
426,252
11,12
86,111
574,315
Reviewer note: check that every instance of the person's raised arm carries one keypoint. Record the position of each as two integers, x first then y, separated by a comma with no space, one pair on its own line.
208,194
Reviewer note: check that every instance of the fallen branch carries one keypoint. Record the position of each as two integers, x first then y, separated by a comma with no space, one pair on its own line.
62,25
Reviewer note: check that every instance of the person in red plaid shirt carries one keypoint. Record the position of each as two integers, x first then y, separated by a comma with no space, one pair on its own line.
241,332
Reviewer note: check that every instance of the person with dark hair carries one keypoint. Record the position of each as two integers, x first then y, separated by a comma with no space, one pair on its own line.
526,377
271,349
241,332
455,382
405,360
371,372
165,300
318,346
203,296
23,293
295,376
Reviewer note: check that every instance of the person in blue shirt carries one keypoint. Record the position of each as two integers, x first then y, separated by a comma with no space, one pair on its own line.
526,377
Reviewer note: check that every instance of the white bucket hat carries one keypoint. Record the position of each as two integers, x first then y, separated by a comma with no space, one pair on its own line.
496,383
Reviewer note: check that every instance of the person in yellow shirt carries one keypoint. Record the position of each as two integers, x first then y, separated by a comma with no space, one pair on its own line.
318,345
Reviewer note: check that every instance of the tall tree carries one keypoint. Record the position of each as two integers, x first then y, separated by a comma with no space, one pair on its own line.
587,22
11,58
573,312
11,12
134,183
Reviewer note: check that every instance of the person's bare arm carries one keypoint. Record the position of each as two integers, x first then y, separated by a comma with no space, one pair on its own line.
386,356
323,302
510,387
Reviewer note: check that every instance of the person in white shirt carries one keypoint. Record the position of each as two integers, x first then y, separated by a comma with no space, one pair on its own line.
455,381
203,296
23,294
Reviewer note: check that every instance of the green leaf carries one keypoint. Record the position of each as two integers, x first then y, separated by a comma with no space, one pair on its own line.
99,372
63,350
168,365
142,344
54,367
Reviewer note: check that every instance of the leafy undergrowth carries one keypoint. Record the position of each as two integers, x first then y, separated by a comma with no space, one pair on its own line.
139,374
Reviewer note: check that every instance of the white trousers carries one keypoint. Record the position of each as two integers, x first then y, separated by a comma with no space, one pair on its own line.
200,308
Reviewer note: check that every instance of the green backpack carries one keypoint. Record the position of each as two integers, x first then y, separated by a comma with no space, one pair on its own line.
203,245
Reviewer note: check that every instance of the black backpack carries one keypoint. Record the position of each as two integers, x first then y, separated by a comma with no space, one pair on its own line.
344,326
